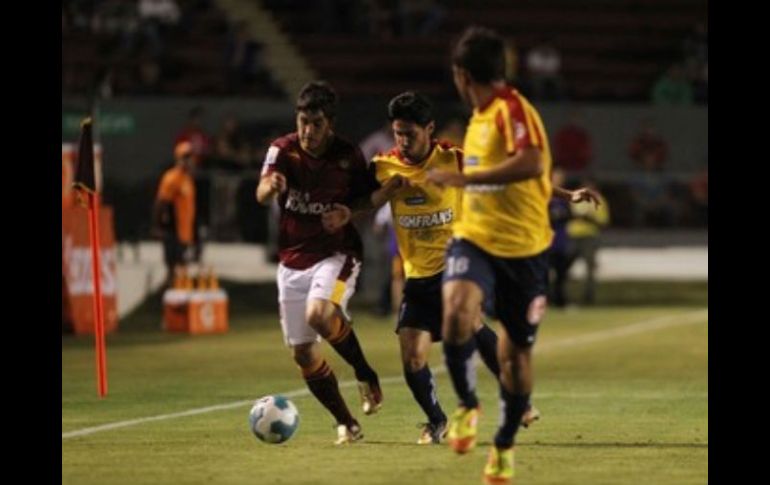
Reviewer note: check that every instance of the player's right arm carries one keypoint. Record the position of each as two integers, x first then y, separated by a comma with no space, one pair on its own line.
269,186
273,181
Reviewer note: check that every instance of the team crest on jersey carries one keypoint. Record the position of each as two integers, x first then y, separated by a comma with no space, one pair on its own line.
521,130
344,164
472,161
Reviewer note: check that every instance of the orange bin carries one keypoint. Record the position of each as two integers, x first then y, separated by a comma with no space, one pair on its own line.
195,311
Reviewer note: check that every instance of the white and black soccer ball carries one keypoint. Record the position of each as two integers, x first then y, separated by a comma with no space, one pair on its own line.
273,419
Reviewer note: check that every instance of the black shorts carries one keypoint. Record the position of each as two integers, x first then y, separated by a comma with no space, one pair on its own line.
174,252
421,306
514,288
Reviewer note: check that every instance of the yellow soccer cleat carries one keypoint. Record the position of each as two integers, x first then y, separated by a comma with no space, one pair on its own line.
499,468
463,427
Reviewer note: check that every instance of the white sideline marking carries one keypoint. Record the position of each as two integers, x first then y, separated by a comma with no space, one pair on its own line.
631,329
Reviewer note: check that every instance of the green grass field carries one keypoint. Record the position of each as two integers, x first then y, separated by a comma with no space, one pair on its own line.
623,391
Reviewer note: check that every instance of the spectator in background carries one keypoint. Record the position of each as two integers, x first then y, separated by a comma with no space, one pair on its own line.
245,61
544,72
173,218
673,88
572,146
155,18
648,149
149,77
559,255
654,203
583,231
379,141
193,133
232,150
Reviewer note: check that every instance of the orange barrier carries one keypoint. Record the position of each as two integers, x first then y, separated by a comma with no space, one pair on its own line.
77,290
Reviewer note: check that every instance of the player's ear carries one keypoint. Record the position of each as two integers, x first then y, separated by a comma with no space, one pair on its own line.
431,128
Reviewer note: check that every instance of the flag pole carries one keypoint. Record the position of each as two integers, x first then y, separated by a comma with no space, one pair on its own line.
85,182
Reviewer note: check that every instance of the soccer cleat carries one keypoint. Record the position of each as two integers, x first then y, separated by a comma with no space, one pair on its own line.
463,426
499,468
530,416
348,433
371,396
433,433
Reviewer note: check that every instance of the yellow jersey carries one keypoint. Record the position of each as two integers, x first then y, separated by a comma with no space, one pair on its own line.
424,213
506,220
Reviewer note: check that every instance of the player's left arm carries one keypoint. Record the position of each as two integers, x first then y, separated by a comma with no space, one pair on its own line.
584,194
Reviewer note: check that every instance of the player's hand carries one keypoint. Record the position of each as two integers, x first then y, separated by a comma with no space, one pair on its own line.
277,183
396,183
443,178
335,218
585,194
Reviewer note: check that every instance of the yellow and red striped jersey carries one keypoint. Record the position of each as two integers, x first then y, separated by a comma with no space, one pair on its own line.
506,220
424,213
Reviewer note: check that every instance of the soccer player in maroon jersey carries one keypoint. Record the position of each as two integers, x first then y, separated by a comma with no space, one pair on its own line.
319,178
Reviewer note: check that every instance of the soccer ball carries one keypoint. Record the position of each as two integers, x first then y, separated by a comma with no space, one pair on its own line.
273,419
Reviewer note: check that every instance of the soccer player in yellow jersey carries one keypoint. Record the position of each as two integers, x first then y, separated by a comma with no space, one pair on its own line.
497,258
423,215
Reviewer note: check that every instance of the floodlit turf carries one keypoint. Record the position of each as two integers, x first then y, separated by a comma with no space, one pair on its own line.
623,392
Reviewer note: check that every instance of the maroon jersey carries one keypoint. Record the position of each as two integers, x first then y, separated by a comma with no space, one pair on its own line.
313,186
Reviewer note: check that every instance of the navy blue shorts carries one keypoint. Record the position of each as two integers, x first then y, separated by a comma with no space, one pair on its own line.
514,288
421,305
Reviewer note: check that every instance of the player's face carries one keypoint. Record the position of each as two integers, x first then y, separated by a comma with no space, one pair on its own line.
314,130
412,140
461,79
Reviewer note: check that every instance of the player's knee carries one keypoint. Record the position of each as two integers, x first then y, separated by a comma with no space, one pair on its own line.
319,322
458,325
413,362
304,356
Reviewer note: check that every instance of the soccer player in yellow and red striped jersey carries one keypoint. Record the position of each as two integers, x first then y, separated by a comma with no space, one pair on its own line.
423,215
498,253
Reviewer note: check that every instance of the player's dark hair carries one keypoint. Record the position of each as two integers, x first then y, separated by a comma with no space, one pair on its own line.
318,96
481,52
411,106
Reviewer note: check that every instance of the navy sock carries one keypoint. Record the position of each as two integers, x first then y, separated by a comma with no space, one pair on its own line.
486,343
459,363
424,391
512,407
